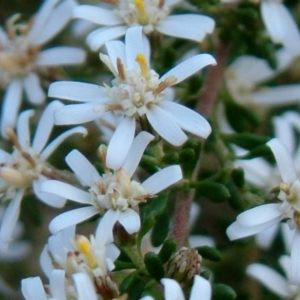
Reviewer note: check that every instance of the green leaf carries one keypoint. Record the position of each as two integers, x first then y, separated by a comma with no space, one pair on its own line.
129,281
160,229
147,224
171,158
238,177
223,292
154,206
209,253
234,200
213,191
246,140
169,247
154,266
122,265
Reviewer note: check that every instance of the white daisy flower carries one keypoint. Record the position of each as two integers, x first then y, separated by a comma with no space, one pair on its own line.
153,15
60,287
274,281
262,217
137,95
201,289
26,166
21,57
113,194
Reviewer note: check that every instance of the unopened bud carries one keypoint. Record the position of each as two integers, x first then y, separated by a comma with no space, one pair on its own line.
106,287
14,177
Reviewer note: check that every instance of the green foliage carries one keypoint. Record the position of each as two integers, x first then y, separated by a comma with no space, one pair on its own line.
209,253
154,266
223,292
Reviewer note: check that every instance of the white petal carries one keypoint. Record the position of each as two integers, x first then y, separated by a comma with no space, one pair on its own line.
45,126
134,46
172,289
48,198
11,105
57,284
97,15
84,287
71,217
16,251
66,190
284,161
187,119
97,38
32,289
130,220
259,214
295,259
265,238
115,50
188,26
58,56
105,228
165,125
58,19
82,167
57,141
120,143
33,89
189,67
201,287
270,279
136,151
76,91
23,131
162,179
10,219
76,114
46,261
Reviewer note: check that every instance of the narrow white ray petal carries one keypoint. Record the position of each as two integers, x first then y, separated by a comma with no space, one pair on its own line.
57,141
120,143
4,155
23,130
58,19
46,261
45,126
66,190
189,67
202,287
104,230
285,263
280,95
236,231
165,125
172,289
130,220
84,287
48,198
284,131
71,217
271,13
259,214
10,219
265,238
115,50
189,26
187,119
293,118
284,161
287,236
270,279
97,38
41,18
97,15
295,259
57,284
33,289
33,89
76,91
162,179
58,56
81,166
134,46
112,252
201,240
136,151
11,105
77,114
17,251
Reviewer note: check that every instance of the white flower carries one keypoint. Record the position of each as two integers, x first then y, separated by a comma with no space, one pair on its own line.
26,166
113,194
137,95
274,281
262,217
201,289
153,15
21,57
60,287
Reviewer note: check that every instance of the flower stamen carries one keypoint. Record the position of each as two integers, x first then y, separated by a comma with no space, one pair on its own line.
141,60
142,14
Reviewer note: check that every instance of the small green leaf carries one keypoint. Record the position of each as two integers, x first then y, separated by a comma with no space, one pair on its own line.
246,140
171,158
238,177
154,266
160,229
223,292
209,253
213,191
169,247
147,224
129,281
154,206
